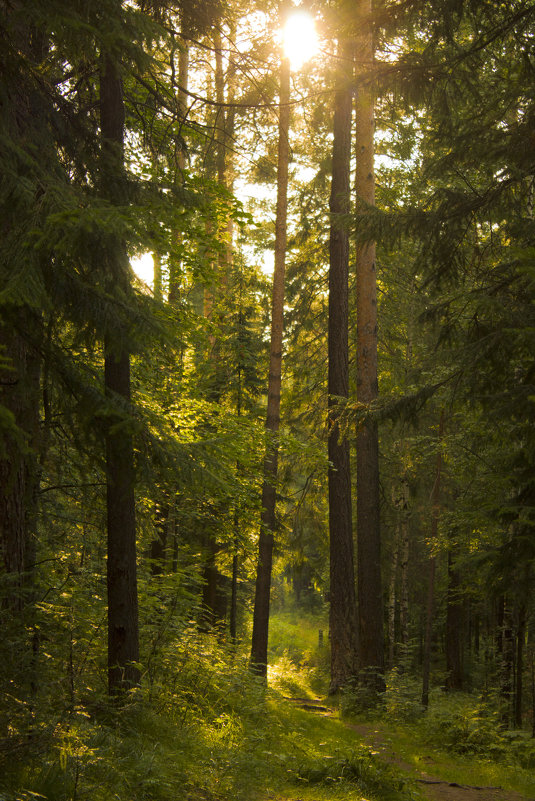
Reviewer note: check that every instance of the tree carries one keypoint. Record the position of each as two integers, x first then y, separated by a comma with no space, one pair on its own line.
343,618
370,599
269,487
123,626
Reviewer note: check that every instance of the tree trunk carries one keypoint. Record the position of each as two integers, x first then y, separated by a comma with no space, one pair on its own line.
343,613
435,500
392,600
123,636
370,597
520,642
454,625
404,593
158,546
24,120
19,469
268,517
426,667
183,67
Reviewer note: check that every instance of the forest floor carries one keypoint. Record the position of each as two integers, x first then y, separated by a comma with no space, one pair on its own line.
433,787
419,771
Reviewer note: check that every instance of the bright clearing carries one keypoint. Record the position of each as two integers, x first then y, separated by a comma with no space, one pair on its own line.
300,38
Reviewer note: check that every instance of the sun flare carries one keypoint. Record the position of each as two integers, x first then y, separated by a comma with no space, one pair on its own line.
143,266
300,39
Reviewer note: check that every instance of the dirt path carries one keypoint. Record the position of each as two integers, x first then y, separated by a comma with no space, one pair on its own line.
433,788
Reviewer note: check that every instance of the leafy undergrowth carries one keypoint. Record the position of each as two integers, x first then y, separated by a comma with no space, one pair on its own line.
298,664
460,738
206,731
203,728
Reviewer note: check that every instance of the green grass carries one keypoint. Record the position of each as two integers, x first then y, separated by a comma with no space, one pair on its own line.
298,666
411,743
208,730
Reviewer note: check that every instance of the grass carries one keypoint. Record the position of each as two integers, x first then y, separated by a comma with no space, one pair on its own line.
419,747
208,730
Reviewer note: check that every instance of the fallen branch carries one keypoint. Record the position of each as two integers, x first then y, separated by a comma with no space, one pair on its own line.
454,784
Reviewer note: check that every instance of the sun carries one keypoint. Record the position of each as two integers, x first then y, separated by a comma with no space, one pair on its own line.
300,40
143,266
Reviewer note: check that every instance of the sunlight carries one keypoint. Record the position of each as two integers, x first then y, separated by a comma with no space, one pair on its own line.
143,266
300,38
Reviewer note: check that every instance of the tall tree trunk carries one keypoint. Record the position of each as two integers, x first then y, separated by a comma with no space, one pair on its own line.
454,624
370,597
25,122
430,609
435,512
392,599
123,635
404,553
259,643
343,612
520,642
183,68
19,468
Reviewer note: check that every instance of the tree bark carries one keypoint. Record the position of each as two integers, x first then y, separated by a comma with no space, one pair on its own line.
370,597
19,468
520,642
25,120
392,600
343,613
123,635
404,593
454,625
183,69
259,643
435,501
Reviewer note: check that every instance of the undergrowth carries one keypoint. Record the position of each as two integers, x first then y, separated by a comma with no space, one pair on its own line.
205,729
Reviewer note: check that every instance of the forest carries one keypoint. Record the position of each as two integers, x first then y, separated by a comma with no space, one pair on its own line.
267,400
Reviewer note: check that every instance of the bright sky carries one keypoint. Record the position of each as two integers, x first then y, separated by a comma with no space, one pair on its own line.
143,266
300,38
300,41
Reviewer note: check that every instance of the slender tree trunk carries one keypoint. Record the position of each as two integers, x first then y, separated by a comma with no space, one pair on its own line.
268,517
183,67
404,593
158,546
343,613
157,287
454,624
370,597
234,597
430,608
520,642
505,656
392,600
209,617
123,636
435,500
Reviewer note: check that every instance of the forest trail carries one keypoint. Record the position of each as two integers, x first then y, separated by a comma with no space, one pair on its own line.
433,788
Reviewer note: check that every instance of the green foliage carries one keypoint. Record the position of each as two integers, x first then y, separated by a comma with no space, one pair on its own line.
298,666
361,768
402,698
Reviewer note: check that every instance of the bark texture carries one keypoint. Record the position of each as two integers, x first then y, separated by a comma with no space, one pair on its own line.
343,611
25,122
19,469
435,503
454,624
259,643
123,636
368,527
